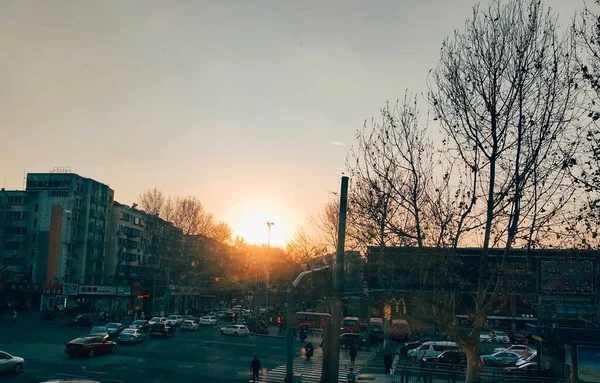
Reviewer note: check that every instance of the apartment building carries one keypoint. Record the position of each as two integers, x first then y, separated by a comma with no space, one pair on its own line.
14,263
68,216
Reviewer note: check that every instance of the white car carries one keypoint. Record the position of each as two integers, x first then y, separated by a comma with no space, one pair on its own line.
189,325
516,348
132,335
485,337
208,321
500,337
235,330
157,320
11,363
175,320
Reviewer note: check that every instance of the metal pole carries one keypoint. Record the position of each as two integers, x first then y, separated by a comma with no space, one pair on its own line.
290,334
336,310
269,224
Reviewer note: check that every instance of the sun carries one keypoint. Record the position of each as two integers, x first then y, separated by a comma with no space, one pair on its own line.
249,220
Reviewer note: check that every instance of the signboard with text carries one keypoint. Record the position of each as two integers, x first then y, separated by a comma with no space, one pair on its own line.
53,289
70,288
97,290
123,291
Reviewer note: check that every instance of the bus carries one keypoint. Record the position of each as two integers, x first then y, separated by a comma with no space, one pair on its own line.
351,324
310,320
399,330
376,329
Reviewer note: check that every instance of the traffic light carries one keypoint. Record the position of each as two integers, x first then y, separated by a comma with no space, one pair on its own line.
278,319
217,279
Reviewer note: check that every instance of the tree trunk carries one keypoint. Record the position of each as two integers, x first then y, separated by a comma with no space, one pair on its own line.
473,362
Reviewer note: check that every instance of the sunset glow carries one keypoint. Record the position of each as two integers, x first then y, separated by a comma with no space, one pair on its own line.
249,220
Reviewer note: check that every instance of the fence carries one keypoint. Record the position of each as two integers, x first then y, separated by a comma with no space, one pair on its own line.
456,374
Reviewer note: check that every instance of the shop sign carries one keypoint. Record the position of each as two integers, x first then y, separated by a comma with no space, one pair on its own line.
21,287
97,290
123,291
70,288
52,289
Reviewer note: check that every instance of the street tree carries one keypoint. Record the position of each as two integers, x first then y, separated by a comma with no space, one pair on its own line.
504,95
305,249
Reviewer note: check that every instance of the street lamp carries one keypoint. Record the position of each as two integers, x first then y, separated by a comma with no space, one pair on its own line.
269,224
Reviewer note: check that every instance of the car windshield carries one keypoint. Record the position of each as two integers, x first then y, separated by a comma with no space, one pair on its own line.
376,327
188,322
128,332
500,334
350,323
138,322
112,325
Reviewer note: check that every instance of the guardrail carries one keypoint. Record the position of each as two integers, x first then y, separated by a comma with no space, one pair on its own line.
456,373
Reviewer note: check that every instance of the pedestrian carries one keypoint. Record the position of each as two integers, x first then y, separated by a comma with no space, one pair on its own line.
387,361
14,317
352,354
351,376
255,367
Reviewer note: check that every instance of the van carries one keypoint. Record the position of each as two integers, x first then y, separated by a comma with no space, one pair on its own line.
399,330
431,349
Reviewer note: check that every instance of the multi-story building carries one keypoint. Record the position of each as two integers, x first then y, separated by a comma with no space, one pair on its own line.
68,218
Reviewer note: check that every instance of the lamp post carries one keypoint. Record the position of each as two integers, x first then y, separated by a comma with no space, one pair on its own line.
269,224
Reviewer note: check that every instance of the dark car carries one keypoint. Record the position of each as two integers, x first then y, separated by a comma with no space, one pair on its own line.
114,329
99,331
349,339
140,324
412,345
376,332
229,316
83,320
453,357
90,346
161,329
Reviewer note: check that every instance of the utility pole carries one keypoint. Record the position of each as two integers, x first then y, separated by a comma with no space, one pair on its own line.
333,350
269,224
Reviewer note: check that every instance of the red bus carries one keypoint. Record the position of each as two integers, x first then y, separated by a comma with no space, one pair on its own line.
311,320
399,330
351,324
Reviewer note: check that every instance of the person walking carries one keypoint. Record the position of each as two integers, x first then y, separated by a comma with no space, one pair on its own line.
255,367
387,361
351,376
353,353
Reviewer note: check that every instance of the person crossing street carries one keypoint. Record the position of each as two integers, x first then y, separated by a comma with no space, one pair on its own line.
255,367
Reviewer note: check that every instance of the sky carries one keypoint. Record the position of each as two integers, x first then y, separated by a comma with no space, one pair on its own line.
249,106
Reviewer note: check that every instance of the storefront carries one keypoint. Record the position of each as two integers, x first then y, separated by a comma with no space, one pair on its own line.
22,296
124,300
91,297
62,294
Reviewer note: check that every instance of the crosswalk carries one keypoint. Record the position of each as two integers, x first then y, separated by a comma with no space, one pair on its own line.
311,369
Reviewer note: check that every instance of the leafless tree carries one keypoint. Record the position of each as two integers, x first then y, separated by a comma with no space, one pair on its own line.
221,232
152,201
304,249
504,94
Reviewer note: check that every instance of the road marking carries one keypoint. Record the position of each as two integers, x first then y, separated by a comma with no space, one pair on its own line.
71,375
96,372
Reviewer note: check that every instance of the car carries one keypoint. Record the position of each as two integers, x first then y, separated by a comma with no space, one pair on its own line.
83,320
516,348
529,368
221,314
349,339
100,331
12,363
412,345
132,335
140,324
235,330
208,320
431,349
501,358
189,325
454,357
485,337
90,346
175,320
500,337
157,320
114,329
162,329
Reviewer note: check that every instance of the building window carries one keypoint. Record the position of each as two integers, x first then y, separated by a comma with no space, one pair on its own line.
16,215
78,204
33,237
32,253
137,220
13,245
14,200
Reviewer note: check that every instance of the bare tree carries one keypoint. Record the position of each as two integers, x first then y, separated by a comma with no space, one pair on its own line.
504,95
221,232
152,201
303,248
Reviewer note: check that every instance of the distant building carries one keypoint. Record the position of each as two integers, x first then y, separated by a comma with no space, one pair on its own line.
14,265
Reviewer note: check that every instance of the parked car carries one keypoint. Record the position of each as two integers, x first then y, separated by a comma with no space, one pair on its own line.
132,335
502,358
90,346
190,325
100,331
235,330
208,321
84,320
175,320
140,324
529,368
349,339
454,357
162,329
500,337
412,345
11,363
485,337
157,320
516,348
114,329
429,349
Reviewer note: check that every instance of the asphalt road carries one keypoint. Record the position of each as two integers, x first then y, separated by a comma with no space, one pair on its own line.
202,356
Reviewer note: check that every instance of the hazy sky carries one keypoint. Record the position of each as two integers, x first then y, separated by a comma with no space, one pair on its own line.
227,101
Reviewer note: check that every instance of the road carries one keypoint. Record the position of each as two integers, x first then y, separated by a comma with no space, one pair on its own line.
187,357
